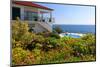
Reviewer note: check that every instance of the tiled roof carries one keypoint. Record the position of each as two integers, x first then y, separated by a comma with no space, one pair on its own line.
31,4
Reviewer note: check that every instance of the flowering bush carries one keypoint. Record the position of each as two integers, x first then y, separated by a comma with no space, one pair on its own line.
22,57
46,47
20,35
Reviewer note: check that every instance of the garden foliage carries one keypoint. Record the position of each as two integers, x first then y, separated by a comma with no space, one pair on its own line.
46,47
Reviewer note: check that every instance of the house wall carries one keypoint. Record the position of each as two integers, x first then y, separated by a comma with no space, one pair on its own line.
39,28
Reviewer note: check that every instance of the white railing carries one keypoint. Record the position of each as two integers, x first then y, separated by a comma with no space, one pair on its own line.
39,19
46,19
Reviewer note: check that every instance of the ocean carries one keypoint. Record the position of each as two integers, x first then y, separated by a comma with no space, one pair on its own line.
77,28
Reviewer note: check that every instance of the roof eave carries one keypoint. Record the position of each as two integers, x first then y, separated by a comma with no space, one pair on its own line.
15,2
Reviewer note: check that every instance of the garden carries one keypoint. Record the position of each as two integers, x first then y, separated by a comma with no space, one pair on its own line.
49,47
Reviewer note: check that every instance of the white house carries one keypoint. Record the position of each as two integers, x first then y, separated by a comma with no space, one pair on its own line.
39,17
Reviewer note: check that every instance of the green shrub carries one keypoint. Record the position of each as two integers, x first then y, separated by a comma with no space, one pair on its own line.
46,47
49,34
37,55
56,56
55,35
38,39
52,41
57,29
81,46
36,42
22,57
90,42
20,34
44,34
74,59
88,58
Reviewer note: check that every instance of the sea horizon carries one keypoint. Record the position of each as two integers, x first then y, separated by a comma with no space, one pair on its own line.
73,24
77,28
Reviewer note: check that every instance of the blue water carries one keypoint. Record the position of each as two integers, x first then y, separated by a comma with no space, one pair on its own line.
73,36
77,28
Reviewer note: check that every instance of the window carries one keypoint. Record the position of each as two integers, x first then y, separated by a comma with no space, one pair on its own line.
33,16
15,13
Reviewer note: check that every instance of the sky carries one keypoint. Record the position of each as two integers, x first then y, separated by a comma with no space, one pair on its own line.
72,14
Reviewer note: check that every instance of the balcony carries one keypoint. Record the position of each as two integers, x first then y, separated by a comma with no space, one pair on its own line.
38,17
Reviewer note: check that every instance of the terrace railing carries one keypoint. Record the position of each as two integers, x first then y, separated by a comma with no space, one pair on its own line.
39,19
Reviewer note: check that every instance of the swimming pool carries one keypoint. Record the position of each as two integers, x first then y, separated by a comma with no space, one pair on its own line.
73,35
